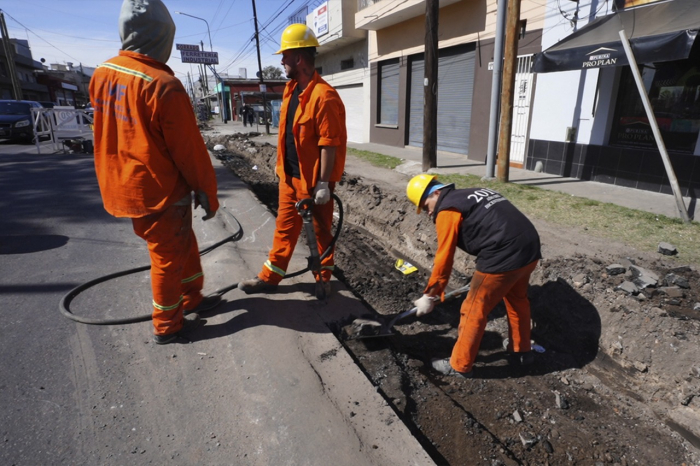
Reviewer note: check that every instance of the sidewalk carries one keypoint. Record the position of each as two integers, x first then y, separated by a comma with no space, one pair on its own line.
448,162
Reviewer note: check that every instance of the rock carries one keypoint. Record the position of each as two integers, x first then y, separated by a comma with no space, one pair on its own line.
528,439
673,279
615,269
252,150
219,147
580,280
628,287
547,447
671,291
640,366
643,278
696,307
517,417
560,401
667,249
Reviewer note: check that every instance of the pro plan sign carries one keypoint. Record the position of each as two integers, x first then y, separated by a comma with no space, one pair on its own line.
600,57
192,54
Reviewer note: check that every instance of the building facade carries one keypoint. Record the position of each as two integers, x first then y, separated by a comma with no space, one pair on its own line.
396,32
25,69
588,120
342,61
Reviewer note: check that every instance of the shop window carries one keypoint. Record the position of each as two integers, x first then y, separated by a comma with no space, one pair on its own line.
347,64
389,93
674,92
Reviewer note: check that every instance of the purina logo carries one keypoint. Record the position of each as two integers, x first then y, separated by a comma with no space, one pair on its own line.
599,57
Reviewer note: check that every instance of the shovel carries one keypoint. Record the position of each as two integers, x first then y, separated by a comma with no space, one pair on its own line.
369,328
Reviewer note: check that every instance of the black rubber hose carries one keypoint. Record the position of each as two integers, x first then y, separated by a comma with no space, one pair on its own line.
64,304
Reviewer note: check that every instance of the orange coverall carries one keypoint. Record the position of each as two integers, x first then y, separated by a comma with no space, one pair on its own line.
319,121
485,292
149,157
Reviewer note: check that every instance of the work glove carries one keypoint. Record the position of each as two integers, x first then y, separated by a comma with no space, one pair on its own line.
425,305
201,199
321,193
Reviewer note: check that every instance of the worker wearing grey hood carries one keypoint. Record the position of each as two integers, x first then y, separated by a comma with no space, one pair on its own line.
150,159
146,27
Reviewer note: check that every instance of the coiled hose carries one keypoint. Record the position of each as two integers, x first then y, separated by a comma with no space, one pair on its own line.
64,304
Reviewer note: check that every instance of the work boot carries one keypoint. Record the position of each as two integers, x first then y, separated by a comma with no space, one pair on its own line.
207,304
323,290
255,285
444,367
521,359
526,358
189,324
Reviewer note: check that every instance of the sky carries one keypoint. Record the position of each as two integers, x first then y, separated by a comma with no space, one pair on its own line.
86,31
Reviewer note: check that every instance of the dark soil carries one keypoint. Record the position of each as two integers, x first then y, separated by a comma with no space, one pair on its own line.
617,384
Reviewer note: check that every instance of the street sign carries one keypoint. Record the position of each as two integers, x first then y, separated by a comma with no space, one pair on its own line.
194,56
187,47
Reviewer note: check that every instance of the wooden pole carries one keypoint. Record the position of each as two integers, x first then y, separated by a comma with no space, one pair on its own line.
430,103
509,67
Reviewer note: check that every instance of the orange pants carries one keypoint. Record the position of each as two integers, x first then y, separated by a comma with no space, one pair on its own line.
485,293
288,227
176,271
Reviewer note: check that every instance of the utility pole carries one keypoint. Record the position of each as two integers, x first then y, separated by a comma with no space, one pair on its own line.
430,103
10,56
496,88
509,67
263,88
206,86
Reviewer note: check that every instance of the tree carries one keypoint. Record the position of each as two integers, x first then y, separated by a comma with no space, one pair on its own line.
272,72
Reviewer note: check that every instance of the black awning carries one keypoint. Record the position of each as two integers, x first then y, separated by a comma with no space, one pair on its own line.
657,32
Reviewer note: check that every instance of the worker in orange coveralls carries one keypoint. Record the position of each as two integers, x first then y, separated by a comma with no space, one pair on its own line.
507,248
150,158
310,159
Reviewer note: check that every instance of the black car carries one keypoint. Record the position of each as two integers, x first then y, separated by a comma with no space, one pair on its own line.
16,119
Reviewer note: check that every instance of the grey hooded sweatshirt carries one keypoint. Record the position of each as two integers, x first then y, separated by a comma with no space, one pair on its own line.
146,27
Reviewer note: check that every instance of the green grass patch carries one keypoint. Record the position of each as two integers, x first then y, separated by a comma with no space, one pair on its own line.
636,228
378,160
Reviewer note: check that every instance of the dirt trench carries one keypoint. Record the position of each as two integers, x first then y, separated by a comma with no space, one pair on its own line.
618,383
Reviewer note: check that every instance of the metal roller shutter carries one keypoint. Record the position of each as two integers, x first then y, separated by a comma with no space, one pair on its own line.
354,102
455,87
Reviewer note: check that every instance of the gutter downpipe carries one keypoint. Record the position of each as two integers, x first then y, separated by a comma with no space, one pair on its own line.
655,128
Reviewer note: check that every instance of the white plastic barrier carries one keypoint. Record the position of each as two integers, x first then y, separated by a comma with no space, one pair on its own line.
61,124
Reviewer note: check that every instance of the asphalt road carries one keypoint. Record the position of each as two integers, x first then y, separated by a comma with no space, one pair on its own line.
264,383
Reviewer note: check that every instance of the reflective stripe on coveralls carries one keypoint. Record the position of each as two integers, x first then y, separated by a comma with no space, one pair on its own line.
174,253
288,228
485,292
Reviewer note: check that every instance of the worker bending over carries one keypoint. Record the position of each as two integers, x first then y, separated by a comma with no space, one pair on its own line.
507,248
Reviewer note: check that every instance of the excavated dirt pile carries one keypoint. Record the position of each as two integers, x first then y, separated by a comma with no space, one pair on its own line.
618,382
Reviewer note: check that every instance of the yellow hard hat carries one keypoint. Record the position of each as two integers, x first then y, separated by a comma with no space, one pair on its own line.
416,188
297,36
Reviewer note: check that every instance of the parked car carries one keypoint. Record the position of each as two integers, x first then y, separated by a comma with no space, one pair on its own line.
47,104
16,119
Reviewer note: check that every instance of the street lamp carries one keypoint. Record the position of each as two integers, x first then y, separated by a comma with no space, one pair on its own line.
202,19
211,48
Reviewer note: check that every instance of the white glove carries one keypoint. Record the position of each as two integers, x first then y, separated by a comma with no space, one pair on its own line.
425,305
321,193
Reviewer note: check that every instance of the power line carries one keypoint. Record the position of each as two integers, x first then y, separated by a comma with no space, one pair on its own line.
38,36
